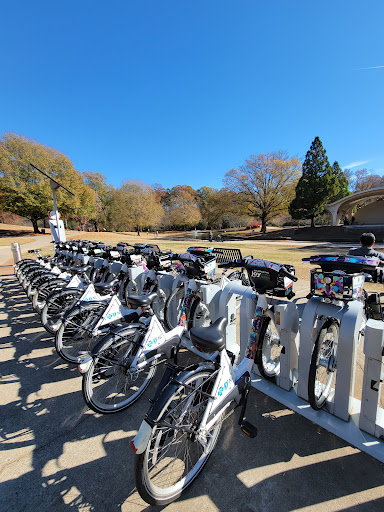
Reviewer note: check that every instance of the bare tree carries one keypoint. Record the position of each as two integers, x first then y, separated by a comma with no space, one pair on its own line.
265,184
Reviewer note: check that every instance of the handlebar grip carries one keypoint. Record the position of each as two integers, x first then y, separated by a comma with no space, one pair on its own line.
287,274
305,259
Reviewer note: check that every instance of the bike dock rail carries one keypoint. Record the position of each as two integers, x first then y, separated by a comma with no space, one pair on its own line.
360,423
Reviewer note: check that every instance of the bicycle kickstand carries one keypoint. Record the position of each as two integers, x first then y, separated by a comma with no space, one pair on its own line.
246,427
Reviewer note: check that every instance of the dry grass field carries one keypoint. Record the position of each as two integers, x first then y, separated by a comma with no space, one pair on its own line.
278,251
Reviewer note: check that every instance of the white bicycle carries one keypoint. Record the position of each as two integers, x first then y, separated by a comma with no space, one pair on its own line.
181,429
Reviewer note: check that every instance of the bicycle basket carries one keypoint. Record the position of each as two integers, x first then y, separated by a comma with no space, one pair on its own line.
202,267
264,274
337,284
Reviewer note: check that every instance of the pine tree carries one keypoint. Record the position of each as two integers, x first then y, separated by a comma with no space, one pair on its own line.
315,186
341,183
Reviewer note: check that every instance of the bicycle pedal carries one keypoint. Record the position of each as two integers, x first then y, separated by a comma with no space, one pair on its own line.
249,429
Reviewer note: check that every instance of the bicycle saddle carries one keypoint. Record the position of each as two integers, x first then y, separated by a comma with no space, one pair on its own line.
141,300
79,270
211,338
105,287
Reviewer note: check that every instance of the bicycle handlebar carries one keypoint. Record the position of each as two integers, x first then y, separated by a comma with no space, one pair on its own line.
287,274
232,264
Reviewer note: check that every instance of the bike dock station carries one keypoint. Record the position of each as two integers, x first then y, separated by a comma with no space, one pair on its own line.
360,423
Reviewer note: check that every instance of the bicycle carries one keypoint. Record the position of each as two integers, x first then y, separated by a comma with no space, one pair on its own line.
117,277
180,431
118,370
88,319
337,281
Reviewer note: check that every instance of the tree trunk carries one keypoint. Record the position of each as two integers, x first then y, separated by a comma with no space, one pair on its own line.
312,222
35,226
263,225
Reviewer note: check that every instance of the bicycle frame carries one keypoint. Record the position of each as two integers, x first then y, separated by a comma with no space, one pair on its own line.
153,346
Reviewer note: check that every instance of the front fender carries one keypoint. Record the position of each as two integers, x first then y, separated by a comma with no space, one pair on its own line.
172,386
140,441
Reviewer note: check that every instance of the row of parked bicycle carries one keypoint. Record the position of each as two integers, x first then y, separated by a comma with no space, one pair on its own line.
120,312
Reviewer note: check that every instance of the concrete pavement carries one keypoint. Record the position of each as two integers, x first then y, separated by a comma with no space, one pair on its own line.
55,454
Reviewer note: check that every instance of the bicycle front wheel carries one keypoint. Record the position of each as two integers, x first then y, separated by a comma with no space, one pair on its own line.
269,350
75,333
175,454
110,385
56,303
199,315
173,306
322,371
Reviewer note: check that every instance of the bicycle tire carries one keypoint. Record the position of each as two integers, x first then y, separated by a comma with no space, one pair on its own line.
97,274
108,386
40,298
57,303
163,456
38,281
198,314
21,272
322,370
172,309
75,333
31,275
269,350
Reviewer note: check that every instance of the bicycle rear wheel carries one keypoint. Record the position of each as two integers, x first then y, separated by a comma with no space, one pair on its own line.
174,455
269,350
322,371
40,298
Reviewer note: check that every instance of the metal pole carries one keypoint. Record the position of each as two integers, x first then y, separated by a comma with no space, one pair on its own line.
54,186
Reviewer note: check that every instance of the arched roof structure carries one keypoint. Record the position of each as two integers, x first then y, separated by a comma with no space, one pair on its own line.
343,207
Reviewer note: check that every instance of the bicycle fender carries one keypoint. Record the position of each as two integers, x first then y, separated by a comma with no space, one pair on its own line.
140,441
107,341
172,386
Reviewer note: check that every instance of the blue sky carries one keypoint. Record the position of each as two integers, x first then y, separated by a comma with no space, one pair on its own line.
179,92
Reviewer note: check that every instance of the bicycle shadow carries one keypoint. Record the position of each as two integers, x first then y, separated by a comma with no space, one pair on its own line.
54,451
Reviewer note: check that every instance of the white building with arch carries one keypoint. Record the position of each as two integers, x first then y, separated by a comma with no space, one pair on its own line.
370,213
